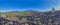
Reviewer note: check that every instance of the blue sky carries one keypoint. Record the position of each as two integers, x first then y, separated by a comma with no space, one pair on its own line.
21,5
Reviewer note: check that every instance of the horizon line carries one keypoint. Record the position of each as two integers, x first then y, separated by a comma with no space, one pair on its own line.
25,10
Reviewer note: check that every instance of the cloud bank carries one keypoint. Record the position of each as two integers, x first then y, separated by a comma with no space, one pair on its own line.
57,7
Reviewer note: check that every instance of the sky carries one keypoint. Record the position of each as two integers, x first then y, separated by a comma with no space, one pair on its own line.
22,5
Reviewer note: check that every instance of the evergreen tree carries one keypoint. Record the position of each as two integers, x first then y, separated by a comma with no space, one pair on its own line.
53,9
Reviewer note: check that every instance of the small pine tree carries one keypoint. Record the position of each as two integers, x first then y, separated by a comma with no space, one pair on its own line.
53,9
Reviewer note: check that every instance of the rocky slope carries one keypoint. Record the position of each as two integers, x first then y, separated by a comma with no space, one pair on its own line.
30,18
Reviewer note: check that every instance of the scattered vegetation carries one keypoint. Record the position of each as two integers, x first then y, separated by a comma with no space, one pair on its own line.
24,20
21,13
11,15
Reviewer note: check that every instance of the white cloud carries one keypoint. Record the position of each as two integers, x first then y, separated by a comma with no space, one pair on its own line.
57,7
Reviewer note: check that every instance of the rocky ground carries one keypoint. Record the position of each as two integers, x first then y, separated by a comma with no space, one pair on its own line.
30,18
